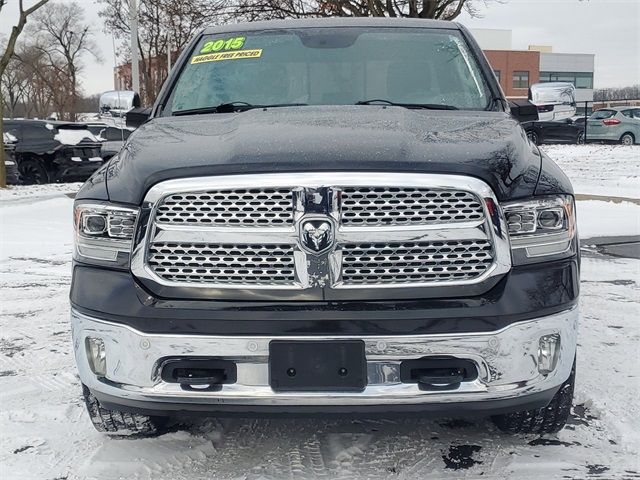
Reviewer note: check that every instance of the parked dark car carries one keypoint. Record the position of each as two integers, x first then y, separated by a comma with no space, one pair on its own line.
112,138
559,131
49,151
327,216
11,167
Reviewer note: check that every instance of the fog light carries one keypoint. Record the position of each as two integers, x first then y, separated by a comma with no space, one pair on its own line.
96,355
548,351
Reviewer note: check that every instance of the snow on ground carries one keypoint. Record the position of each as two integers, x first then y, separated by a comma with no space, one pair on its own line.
609,170
600,173
45,433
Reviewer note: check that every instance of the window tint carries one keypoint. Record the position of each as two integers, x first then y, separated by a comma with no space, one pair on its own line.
636,113
36,132
627,113
602,114
327,66
520,79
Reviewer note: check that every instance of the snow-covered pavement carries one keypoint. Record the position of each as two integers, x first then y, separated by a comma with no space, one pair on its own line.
45,433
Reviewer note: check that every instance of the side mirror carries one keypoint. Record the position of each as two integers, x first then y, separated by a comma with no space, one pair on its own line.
137,116
555,100
523,110
135,102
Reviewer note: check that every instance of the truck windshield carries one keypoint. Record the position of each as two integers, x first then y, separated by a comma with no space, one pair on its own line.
330,66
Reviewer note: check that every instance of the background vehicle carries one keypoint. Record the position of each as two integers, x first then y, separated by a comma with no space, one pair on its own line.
555,100
11,167
54,151
330,215
112,138
561,131
616,124
117,103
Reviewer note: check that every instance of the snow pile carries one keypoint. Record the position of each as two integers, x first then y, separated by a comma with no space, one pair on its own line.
73,136
8,138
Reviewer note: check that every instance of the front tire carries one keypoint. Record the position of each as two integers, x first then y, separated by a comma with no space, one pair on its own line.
550,419
580,139
627,139
533,136
33,172
117,423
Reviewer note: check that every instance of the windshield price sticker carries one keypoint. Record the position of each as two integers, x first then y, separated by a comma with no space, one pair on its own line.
216,57
220,45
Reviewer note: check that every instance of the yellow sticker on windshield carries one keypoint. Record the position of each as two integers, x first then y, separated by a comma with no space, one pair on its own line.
216,57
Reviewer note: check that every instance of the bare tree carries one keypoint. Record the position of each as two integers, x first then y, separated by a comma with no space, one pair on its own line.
162,25
49,82
612,94
62,36
14,84
268,9
4,61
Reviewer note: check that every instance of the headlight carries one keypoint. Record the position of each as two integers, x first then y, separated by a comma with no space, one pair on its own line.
104,233
541,229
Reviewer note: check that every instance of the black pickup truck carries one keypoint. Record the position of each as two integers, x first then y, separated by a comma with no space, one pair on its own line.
327,216
52,151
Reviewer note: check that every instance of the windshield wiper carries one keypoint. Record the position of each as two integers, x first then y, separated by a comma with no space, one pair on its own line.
427,106
232,107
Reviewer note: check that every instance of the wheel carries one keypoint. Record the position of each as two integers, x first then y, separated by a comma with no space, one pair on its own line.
550,419
627,139
33,172
533,136
580,140
115,423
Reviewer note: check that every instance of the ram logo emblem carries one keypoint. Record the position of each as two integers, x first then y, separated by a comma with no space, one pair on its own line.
316,235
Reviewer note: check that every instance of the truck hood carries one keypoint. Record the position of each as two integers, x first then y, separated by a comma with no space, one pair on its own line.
490,146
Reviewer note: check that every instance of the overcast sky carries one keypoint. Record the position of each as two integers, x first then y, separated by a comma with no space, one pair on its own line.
608,28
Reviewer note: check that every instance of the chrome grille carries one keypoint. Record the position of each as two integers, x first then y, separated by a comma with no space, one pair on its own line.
391,263
242,207
278,236
408,206
223,264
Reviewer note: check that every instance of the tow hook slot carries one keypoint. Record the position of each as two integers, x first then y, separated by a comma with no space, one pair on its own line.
438,373
201,374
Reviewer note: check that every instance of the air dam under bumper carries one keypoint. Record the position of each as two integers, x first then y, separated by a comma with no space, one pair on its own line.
506,360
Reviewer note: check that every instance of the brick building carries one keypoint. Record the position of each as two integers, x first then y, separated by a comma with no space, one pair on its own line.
515,70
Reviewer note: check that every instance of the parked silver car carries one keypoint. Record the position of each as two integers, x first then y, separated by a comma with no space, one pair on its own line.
619,124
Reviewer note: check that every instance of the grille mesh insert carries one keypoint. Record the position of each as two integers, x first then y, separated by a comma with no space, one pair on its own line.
407,206
250,207
366,264
223,264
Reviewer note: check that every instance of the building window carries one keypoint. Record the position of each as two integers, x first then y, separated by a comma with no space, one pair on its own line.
497,74
579,79
520,79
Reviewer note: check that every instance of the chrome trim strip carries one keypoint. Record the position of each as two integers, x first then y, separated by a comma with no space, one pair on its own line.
506,360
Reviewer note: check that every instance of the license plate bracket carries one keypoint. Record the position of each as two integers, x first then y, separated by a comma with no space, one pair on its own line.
317,365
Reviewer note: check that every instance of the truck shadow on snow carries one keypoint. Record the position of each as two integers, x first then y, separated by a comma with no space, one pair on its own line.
402,447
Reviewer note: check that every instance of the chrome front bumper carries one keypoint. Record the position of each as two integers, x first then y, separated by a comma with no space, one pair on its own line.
507,362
